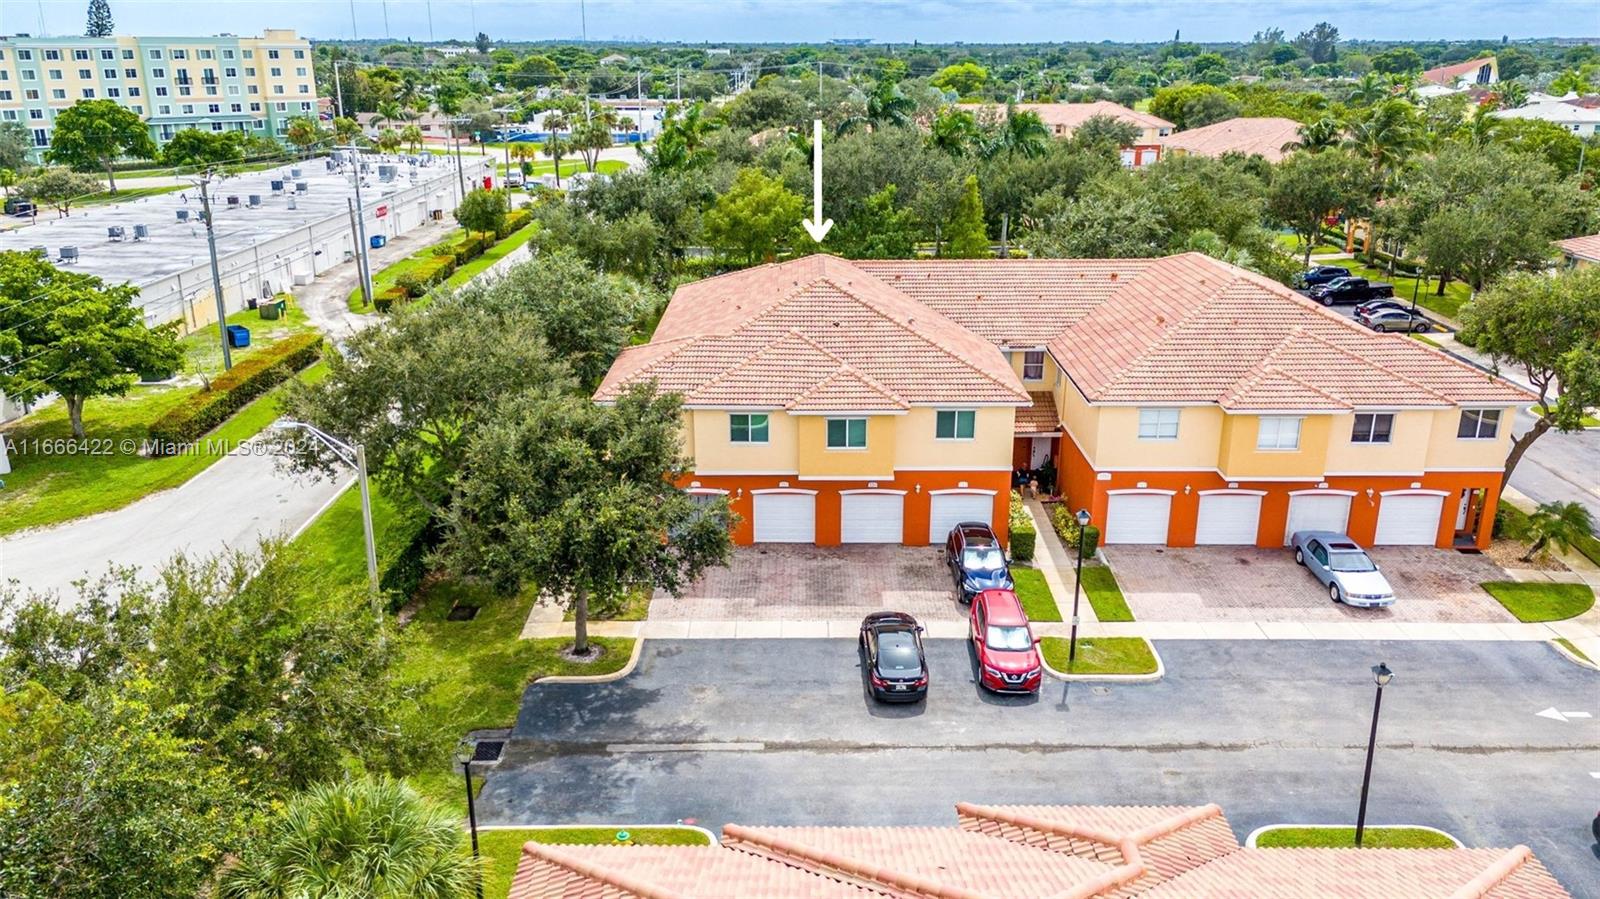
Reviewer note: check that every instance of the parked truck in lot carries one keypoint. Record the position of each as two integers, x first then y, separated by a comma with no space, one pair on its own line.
1351,290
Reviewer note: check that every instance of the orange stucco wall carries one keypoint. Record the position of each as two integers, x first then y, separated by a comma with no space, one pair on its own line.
916,484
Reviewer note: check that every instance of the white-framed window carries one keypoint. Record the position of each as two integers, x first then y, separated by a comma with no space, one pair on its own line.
1158,424
216,126
130,73
1278,432
24,54
9,115
133,92
88,93
127,54
6,95
227,54
255,107
185,90
161,90
955,424
305,88
233,90
164,109
113,92
299,54
58,93
205,54
249,54
277,88
272,54
109,74
80,54
187,108
254,89
231,72
847,433
236,107
748,427
36,114
180,54
305,107
108,54
300,70
158,72
1033,365
275,72
30,94
249,71
41,137
85,74
55,74
213,107
1372,427
155,54
52,54
137,109
29,75
1479,424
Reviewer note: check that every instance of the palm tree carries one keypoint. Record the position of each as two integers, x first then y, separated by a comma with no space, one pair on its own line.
1020,133
412,135
388,113
693,127
1317,136
304,133
1557,524
374,838
1511,94
388,140
954,131
1371,89
1578,81
556,145
1481,127
886,105
1386,137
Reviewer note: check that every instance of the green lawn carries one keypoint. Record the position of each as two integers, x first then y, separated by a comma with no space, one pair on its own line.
569,166
1345,838
384,278
490,256
49,488
1292,244
1568,645
1456,293
1101,655
502,849
1541,600
1035,595
335,543
126,194
634,607
202,349
1588,421
1100,586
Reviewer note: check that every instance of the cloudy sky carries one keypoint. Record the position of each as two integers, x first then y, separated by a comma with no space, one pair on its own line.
897,21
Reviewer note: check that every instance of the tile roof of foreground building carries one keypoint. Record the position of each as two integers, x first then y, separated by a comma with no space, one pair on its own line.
1262,137
1586,247
824,334
1008,851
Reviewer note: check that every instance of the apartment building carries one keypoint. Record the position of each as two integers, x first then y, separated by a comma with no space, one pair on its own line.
219,83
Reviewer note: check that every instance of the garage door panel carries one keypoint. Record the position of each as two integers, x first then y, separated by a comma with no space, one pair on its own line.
1228,519
1138,518
871,517
1317,512
946,510
1409,520
785,518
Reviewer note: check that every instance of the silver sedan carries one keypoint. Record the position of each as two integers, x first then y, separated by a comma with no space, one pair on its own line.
1343,567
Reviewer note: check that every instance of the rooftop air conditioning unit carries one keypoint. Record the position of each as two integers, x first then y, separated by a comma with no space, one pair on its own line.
116,232
183,215
294,172
255,201
69,254
277,186
233,202
301,187
141,232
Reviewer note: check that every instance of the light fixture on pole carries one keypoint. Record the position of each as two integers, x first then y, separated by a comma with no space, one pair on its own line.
1381,675
356,457
464,753
1077,588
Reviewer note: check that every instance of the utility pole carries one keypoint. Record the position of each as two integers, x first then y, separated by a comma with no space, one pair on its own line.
363,264
386,32
338,91
353,35
583,19
429,4
679,74
216,276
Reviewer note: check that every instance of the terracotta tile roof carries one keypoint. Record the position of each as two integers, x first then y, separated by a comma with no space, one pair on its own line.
1587,247
1071,115
1262,137
1041,417
1160,852
1447,75
896,333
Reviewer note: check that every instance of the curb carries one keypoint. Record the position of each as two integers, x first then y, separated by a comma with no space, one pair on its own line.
710,837
1568,654
1160,672
1250,841
619,674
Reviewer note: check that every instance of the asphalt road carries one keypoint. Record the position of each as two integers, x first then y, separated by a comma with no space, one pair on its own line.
1560,467
780,732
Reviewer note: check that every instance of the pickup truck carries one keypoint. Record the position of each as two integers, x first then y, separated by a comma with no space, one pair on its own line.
1351,290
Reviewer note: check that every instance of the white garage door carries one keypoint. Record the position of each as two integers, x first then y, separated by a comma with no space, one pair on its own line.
1317,512
871,517
1138,517
1228,519
950,509
1408,519
786,518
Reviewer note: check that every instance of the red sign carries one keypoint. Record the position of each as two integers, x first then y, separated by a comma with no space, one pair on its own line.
382,211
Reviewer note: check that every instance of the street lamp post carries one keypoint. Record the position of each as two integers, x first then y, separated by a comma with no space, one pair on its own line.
464,753
1077,589
355,457
1381,675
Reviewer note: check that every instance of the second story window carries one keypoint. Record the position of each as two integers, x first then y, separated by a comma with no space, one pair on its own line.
847,433
1033,365
955,424
1374,427
1479,424
1158,424
747,428
1278,433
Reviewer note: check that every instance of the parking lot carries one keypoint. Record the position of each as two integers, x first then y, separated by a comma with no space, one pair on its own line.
1247,583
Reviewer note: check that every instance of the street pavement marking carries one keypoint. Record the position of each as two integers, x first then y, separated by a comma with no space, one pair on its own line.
1554,715
685,747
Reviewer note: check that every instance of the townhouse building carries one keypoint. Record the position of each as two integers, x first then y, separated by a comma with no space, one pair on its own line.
1183,401
219,83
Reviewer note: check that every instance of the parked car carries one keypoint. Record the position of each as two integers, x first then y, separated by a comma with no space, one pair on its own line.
1008,654
1372,306
1351,290
977,561
1343,567
1320,274
891,648
1397,320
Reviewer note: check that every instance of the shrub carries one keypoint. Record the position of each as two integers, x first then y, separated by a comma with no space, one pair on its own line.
1023,533
207,408
405,572
412,282
385,300
1065,521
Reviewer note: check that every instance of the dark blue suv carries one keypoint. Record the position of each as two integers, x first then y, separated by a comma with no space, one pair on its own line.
976,559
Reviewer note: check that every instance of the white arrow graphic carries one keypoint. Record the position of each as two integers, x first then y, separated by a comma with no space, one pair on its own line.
816,226
1552,714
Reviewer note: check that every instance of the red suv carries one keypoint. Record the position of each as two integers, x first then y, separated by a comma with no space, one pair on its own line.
1008,655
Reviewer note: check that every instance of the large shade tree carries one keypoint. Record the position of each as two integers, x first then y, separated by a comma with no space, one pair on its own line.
1307,188
94,134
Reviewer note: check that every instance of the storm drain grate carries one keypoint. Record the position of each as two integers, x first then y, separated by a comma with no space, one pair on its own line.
461,613
487,750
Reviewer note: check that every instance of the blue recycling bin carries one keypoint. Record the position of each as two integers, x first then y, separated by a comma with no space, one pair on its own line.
378,240
238,336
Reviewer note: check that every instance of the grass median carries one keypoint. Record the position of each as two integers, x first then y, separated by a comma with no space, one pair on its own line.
1034,592
1345,838
1100,655
1100,585
1533,601
502,849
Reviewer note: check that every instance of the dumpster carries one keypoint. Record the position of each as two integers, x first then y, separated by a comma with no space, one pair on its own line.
378,240
273,309
238,336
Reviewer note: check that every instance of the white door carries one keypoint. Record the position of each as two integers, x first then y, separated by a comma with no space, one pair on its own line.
1317,512
1040,452
1228,519
1408,519
871,517
946,510
786,518
1138,517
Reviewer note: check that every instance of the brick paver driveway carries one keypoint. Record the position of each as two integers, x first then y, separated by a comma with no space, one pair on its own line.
800,583
1245,583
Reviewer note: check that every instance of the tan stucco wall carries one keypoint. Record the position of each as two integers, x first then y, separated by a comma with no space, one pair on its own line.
1199,437
1446,450
1081,420
1051,372
713,452
1241,459
917,447
816,460
1406,452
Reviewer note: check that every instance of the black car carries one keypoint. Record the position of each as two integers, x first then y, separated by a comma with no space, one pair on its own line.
891,646
1321,274
977,561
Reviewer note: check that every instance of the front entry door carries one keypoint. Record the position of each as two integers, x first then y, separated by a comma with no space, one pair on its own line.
1041,452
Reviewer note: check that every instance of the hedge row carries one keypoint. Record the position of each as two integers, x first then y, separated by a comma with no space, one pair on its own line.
403,577
1023,533
1065,521
229,392
433,271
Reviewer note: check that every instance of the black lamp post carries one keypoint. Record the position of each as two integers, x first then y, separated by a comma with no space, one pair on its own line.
1380,675
464,754
1077,589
